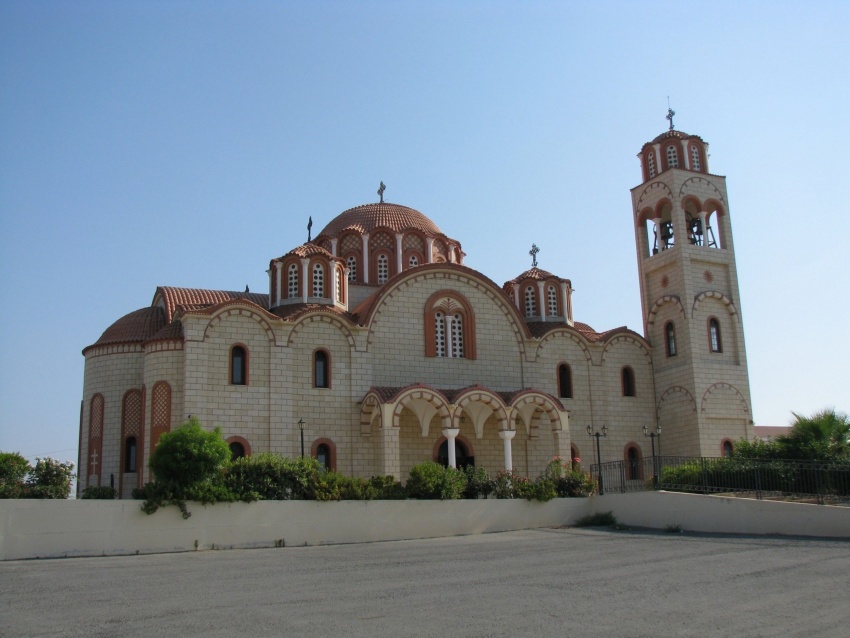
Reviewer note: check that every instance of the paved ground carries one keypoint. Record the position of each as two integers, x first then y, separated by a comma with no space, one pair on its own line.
565,582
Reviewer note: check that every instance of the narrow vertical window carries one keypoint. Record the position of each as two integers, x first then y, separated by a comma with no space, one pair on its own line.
351,262
650,162
339,285
292,281
672,157
457,336
552,295
727,448
320,370
695,165
238,368
383,268
633,462
565,382
237,450
440,334
530,302
323,455
628,376
714,335
670,338
318,281
130,455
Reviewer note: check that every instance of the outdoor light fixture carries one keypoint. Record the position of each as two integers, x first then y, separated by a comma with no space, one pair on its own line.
598,435
652,436
301,425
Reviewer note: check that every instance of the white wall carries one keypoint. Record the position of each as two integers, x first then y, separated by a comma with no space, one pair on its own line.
45,529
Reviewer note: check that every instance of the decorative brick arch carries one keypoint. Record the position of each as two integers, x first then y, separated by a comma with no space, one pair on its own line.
132,425
674,390
724,386
620,339
435,451
714,294
693,183
421,393
235,308
160,412
314,450
570,333
653,191
246,445
488,398
542,403
653,312
323,317
94,462
369,410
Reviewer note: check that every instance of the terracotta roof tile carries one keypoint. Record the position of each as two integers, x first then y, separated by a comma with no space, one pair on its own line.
137,326
292,312
367,217
174,330
197,298
537,274
309,250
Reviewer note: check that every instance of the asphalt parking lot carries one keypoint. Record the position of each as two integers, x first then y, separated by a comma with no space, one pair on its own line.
550,582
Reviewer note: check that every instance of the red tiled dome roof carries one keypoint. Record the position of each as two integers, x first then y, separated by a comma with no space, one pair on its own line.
369,216
139,325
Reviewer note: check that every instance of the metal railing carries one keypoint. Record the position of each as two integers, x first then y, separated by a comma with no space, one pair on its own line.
823,481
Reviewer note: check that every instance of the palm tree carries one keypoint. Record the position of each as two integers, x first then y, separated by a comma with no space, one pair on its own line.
823,436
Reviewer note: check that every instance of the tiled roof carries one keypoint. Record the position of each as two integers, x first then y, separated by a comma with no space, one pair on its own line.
139,325
196,298
365,218
292,312
539,329
666,135
309,250
535,273
174,330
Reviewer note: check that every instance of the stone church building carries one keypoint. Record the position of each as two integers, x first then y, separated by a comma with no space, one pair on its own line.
382,349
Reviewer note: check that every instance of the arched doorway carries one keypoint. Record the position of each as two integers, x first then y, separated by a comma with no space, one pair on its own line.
462,455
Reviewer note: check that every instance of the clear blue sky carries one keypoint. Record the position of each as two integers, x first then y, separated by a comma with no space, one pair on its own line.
186,144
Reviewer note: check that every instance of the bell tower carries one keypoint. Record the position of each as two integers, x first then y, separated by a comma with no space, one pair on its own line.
690,297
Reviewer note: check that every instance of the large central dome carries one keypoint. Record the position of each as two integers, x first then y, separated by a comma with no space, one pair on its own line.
367,217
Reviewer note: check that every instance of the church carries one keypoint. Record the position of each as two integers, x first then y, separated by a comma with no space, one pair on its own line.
375,348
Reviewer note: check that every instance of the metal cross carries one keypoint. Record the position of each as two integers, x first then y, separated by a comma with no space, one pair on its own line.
533,252
381,190
309,230
670,113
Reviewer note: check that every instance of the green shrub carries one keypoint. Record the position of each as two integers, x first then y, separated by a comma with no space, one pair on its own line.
434,481
189,455
49,479
479,484
13,472
105,493
273,477
599,519
568,478
386,488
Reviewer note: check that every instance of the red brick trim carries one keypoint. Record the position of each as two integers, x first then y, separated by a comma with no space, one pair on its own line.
429,317
242,441
160,412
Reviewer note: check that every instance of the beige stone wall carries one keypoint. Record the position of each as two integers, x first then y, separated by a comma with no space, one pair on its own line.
163,362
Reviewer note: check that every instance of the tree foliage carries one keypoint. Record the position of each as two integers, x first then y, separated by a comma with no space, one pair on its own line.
824,436
49,478
189,455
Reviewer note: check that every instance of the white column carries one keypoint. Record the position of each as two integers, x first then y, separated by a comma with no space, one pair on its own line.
345,272
543,301
279,268
365,264
305,277
658,241
429,258
506,436
333,246
272,299
516,297
398,244
564,300
451,435
449,341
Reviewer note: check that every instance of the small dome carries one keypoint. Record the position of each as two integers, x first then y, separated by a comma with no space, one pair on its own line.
139,325
367,217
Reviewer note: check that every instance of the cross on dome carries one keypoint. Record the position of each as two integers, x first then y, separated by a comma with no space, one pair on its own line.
670,113
533,252
381,190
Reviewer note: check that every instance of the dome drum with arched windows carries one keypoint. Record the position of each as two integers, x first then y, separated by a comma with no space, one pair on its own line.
541,296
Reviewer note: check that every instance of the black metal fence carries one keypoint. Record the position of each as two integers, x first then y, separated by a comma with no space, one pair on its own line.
823,481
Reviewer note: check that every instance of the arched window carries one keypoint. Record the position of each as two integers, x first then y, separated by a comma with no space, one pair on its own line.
321,369
323,455
670,339
695,164
351,262
552,296
449,326
292,283
318,280
383,268
130,455
650,163
530,302
628,378
633,468
672,157
238,366
726,448
714,335
565,381
237,450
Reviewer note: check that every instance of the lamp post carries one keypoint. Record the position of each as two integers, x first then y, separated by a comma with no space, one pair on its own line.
598,434
301,427
652,436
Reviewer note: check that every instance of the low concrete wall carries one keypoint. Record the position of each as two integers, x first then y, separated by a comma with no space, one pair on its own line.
52,529
726,515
